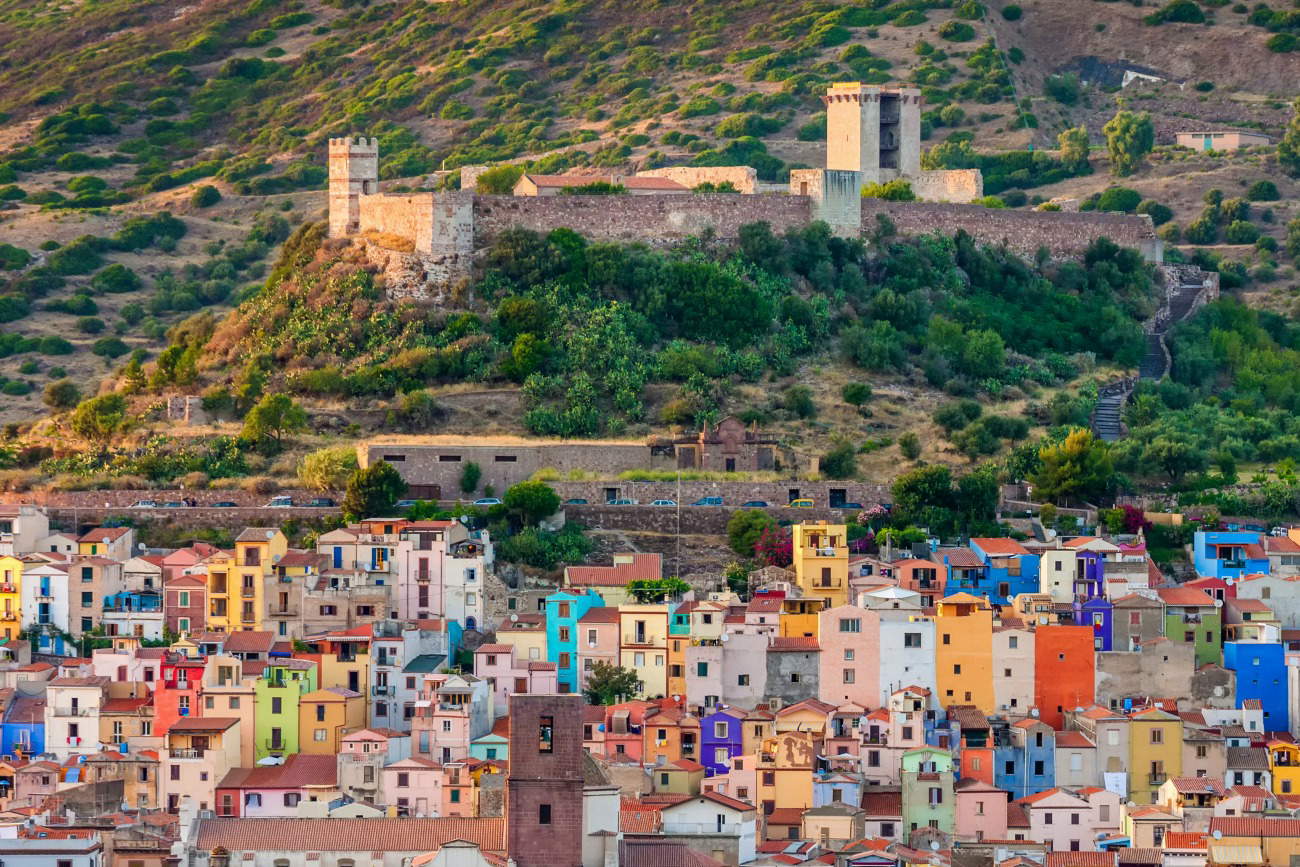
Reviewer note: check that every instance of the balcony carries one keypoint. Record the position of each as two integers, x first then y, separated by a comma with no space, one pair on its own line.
74,711
248,592
285,611
381,690
186,753
8,588
1157,779
276,746
8,615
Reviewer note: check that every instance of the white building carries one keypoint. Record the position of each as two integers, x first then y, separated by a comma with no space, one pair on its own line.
45,596
72,715
715,815
72,852
22,527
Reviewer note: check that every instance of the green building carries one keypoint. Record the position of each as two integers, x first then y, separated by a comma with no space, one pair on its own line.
928,790
1192,616
277,694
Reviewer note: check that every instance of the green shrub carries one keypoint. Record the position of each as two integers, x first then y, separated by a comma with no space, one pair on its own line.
1063,88
1263,191
956,31
90,324
1180,11
205,196
13,258
12,193
746,124
699,105
1121,199
897,190
1281,43
1012,12
1159,214
116,278
1241,232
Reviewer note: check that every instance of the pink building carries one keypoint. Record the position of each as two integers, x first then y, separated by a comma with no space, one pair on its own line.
413,786
1061,819
740,782
185,561
849,667
598,640
981,811
452,710
506,675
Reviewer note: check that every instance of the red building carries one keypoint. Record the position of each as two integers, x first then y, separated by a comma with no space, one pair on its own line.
185,604
1064,671
544,789
177,692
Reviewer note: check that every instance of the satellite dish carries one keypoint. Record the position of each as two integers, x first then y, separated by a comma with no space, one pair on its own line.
725,637
514,618
270,534
1033,712
1216,834
934,845
1218,603
1229,581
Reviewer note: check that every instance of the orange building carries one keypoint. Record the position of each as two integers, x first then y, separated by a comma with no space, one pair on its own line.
963,658
1064,671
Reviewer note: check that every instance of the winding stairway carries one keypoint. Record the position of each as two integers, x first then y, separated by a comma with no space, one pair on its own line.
1188,287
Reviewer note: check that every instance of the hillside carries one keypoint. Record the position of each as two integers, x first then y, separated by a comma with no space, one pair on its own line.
218,112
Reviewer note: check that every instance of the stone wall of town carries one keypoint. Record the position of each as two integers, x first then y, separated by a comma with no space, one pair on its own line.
649,219
952,185
1065,234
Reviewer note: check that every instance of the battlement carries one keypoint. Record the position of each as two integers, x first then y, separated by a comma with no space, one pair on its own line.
854,92
359,145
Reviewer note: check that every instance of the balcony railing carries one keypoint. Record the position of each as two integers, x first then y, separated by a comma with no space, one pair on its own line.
8,588
381,690
276,746
73,711
186,753
1157,779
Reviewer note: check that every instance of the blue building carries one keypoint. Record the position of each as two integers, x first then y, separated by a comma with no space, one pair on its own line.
1008,570
1024,758
835,787
563,611
1100,615
23,729
1228,553
1261,674
722,737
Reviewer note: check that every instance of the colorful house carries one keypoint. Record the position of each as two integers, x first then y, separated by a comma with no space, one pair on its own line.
1228,554
1192,617
1009,570
11,598
278,694
722,737
964,651
278,791
1064,671
1261,671
821,561
1155,752
929,798
200,751
1284,766
850,655
257,549
325,716
1024,758
563,611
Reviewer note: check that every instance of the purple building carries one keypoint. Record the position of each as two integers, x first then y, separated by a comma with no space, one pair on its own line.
722,737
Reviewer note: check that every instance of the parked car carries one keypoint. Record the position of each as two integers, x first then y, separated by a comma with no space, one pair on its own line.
664,503
225,504
708,501
575,501
854,506
488,501
321,503
282,502
404,504
174,504
620,502
145,504
801,503
754,504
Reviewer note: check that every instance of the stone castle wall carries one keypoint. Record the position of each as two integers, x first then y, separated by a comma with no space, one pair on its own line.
1067,235
651,219
952,185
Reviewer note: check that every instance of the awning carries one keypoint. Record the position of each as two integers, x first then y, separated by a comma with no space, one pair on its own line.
1235,853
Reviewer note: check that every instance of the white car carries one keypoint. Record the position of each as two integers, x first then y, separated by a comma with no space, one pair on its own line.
145,504
664,503
280,503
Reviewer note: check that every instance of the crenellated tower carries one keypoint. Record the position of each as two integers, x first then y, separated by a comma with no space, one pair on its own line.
353,173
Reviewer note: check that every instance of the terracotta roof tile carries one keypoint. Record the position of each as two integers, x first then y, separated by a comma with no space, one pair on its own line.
999,546
1081,859
794,643
1184,596
1249,826
643,567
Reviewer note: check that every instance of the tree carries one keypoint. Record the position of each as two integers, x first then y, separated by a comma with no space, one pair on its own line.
531,501
841,462
1173,457
897,190
856,393
1129,138
469,477
1074,147
656,589
205,196
985,353
744,528
62,394
1076,468
909,445
1288,149
372,491
608,683
271,418
99,418
499,180
327,469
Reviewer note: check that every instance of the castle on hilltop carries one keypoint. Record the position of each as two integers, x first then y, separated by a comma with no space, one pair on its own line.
425,241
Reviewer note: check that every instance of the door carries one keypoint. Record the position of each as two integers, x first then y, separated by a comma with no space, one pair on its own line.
354,681
793,495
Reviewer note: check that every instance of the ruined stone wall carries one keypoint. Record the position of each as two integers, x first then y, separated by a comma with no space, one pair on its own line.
955,185
649,219
743,178
1065,234
408,216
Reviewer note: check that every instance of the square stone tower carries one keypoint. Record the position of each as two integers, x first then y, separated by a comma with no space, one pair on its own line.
353,173
874,130
544,806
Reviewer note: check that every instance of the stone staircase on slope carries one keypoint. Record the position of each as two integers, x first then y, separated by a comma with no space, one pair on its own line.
1188,287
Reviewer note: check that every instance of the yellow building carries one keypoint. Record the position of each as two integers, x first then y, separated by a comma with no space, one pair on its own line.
11,596
682,777
325,716
800,618
643,646
784,772
526,633
257,550
759,724
1284,765
1155,747
821,562
963,656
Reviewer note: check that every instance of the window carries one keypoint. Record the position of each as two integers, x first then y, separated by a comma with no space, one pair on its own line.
742,680
319,735
848,675
886,829
701,669
1157,736
1038,769
719,730
546,744
1013,642
1074,818
455,796
291,799
907,733
848,654
956,669
252,799
947,638
1047,818
543,814
769,778
403,780
850,624
911,639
